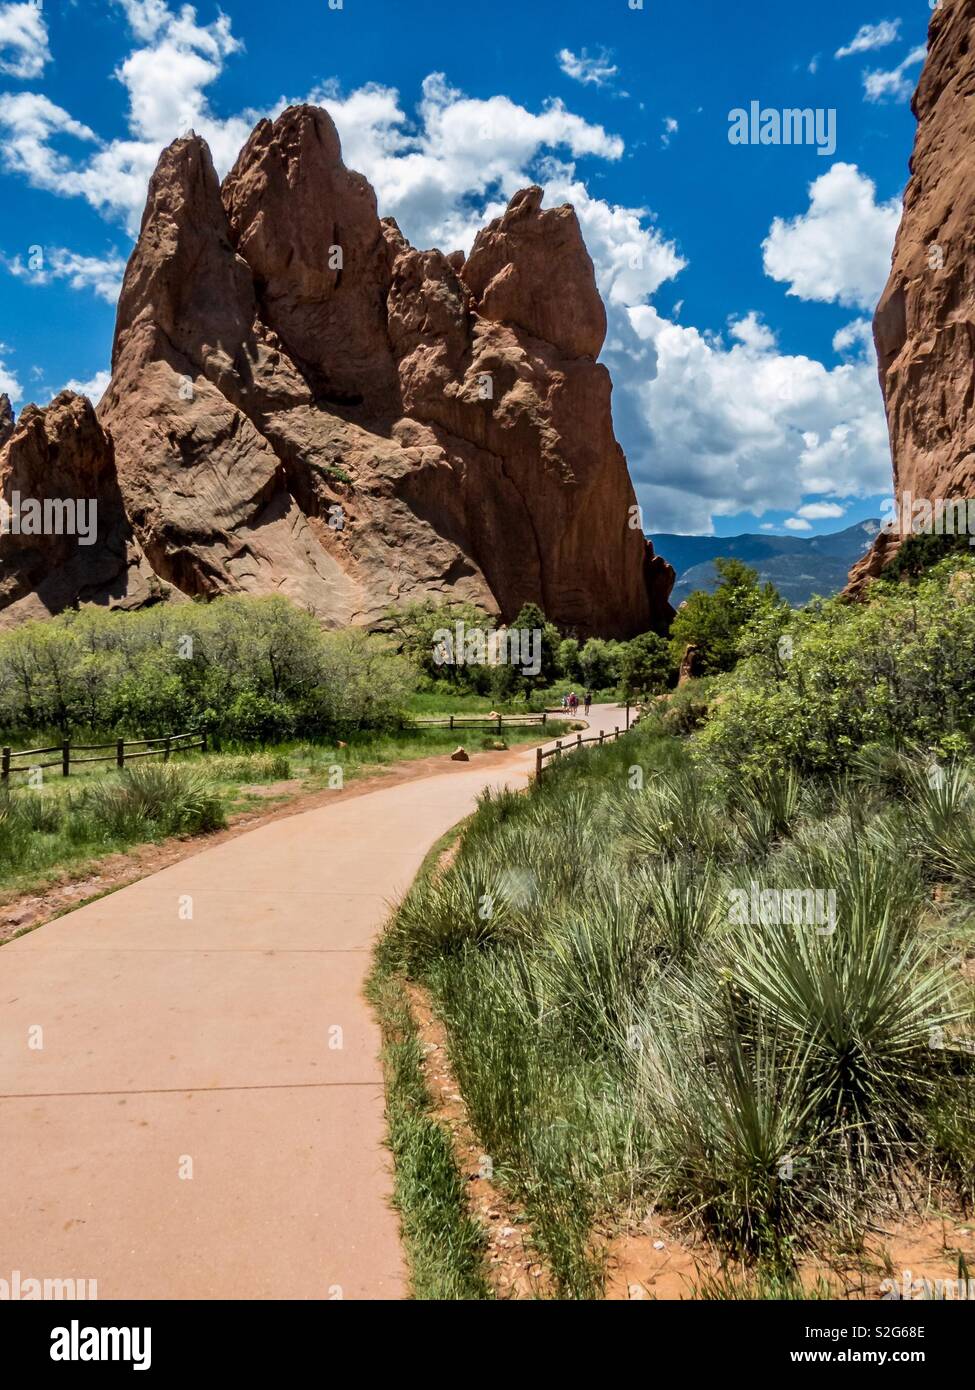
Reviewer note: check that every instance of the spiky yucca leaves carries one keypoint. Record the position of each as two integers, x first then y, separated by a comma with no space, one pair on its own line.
943,802
684,906
939,793
767,806
547,849
677,815
880,767
862,1001
733,1121
469,906
594,961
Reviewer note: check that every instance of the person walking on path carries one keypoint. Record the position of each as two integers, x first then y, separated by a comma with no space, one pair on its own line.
588,704
573,703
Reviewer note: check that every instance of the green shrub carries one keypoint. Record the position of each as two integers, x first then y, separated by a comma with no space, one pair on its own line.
245,668
897,671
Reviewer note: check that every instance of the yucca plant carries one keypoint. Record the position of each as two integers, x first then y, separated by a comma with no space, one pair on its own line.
467,906
776,793
38,811
881,767
684,906
862,1003
677,815
942,801
594,960
735,1123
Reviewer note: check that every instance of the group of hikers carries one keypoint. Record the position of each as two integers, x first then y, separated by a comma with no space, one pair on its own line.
570,702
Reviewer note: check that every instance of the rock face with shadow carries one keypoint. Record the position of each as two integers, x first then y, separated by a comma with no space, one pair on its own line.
66,538
303,403
924,327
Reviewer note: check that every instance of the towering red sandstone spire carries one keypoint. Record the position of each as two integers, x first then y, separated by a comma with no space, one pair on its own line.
924,327
303,403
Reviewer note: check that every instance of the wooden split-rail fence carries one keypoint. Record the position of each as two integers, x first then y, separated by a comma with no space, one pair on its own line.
120,752
482,721
563,746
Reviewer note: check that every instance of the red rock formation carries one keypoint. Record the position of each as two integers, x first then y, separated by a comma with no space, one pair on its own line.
6,419
57,458
924,327
303,403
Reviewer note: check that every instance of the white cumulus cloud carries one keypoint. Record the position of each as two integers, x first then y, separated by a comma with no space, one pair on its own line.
24,51
9,385
839,250
744,427
165,80
94,388
821,511
103,274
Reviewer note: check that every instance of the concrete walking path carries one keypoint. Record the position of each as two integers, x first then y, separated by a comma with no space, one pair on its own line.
201,1112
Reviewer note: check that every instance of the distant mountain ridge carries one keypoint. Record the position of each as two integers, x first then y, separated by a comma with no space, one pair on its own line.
798,566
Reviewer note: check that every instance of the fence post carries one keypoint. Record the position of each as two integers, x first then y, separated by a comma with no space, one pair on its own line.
627,714
558,747
65,759
451,723
203,746
6,764
617,734
539,764
579,741
544,717
602,736
500,717
167,748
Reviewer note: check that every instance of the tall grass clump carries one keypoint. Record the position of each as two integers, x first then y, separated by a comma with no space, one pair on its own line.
166,798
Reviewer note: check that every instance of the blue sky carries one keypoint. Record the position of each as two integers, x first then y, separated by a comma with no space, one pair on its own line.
739,279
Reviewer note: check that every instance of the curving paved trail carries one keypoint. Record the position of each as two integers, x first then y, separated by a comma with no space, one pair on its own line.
204,1118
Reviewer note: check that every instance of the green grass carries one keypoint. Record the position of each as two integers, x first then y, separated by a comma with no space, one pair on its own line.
444,1246
443,1243
622,1040
63,827
445,701
66,826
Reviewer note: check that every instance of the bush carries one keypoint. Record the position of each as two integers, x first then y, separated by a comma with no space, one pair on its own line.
245,668
714,623
896,671
644,666
253,718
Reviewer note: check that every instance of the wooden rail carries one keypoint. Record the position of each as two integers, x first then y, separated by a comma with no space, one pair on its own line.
67,753
480,721
543,754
